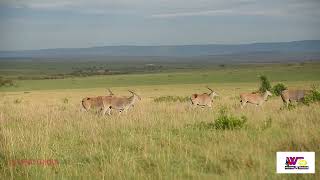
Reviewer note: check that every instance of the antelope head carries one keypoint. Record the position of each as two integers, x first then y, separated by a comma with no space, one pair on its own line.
212,93
134,94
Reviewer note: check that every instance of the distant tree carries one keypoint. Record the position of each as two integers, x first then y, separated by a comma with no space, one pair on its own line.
6,82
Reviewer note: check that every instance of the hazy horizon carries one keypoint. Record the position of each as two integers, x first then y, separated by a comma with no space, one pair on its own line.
42,24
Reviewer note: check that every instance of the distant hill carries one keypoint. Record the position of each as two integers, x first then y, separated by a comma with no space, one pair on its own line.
296,50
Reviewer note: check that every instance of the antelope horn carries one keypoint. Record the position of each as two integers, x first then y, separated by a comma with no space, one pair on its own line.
110,92
209,89
134,94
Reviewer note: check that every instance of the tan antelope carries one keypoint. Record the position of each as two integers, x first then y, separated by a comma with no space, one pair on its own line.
204,99
257,99
96,102
122,103
99,102
293,95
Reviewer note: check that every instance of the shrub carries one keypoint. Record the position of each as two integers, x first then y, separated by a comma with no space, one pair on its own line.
224,121
265,84
313,96
171,99
278,88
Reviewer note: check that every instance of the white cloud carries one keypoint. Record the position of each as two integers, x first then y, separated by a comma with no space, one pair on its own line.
174,8
220,13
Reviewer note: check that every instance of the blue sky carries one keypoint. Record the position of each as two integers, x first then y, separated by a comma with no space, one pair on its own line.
41,24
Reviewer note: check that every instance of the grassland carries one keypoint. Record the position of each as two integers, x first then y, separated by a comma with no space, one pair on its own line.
215,75
156,140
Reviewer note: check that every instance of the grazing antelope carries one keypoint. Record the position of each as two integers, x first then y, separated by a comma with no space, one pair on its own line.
123,103
204,99
293,95
257,99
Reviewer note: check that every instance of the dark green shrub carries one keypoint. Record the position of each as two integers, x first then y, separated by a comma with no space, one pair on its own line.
171,99
278,88
224,121
313,96
265,84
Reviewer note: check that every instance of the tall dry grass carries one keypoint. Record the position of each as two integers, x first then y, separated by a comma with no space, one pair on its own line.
155,140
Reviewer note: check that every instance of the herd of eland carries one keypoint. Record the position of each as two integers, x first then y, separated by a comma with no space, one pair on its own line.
123,103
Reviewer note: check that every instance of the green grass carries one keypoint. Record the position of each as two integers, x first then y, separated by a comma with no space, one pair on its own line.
158,140
241,74
154,140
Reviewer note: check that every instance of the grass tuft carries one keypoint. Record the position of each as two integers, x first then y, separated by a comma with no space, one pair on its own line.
171,99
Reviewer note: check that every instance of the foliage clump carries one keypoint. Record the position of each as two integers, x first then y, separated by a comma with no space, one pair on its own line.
313,96
265,84
171,99
278,88
224,121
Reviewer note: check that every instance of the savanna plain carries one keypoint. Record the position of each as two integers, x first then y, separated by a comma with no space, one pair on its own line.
167,139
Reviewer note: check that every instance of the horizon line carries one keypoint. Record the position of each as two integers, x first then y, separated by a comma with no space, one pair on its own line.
163,45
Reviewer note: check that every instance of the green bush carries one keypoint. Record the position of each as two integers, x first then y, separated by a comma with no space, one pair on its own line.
265,84
278,88
224,121
171,99
313,96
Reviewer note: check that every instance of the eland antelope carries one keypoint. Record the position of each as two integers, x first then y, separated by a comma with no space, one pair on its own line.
293,95
96,102
204,99
257,99
122,103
